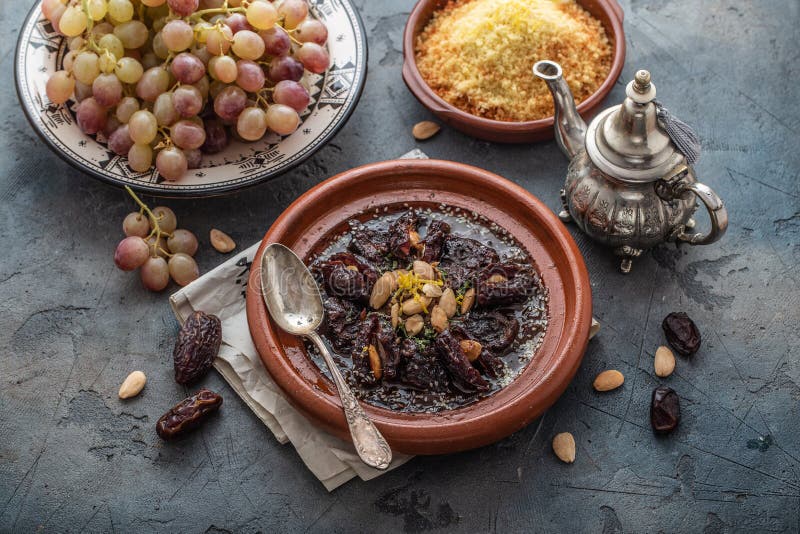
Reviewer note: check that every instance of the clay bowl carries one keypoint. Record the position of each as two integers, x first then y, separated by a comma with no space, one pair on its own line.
311,221
608,12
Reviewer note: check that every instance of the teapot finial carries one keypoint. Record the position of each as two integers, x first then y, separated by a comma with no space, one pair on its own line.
641,90
642,81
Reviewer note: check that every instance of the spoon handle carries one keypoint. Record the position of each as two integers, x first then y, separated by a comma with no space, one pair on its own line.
370,443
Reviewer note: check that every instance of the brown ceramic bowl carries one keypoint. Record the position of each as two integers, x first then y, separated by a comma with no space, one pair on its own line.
321,213
608,12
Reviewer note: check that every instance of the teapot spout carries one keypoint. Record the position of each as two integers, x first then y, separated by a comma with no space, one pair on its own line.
570,127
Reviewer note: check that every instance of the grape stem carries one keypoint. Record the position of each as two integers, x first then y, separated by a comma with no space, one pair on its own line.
89,25
292,37
156,231
260,99
89,19
216,10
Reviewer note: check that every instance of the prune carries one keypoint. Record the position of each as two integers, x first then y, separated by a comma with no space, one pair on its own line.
487,363
420,368
371,244
345,275
388,349
490,364
196,347
505,283
341,322
434,240
405,354
665,410
494,330
361,366
469,253
402,234
463,258
188,414
681,332
464,377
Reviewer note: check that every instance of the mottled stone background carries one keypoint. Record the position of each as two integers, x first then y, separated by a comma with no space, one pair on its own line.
75,458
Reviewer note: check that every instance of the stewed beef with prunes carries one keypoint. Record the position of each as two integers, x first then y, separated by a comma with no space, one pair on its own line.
429,310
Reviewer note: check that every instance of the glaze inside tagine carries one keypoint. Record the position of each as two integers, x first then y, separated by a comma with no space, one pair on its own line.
630,183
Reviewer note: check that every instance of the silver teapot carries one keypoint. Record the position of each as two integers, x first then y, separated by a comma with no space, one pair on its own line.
628,185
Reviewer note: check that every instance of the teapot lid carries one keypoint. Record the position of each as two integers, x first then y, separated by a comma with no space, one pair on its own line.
627,141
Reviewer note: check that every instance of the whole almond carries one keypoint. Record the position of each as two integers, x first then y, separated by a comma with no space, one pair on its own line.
425,130
564,447
608,380
415,306
664,362
469,299
439,320
132,385
432,290
472,349
424,270
381,291
375,362
414,325
448,302
221,241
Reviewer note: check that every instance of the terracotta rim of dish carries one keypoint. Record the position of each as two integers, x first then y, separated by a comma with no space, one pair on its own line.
307,225
608,12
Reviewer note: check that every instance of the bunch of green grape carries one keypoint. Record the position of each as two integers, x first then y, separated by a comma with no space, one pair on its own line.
170,80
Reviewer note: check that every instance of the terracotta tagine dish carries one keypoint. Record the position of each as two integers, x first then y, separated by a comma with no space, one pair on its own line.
319,217
607,12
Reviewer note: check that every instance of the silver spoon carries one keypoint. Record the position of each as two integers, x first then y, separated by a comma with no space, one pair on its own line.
295,304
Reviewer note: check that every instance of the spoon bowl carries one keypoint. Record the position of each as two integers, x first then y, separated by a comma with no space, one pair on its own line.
290,292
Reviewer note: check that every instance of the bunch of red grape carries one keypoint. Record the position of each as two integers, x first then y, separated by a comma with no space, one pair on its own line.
157,247
172,79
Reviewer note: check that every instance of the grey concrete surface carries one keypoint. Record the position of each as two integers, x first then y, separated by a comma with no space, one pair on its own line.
74,458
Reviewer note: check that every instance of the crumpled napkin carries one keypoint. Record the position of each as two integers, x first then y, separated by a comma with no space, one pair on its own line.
222,293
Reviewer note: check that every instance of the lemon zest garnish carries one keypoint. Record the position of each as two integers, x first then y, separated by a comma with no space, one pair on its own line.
411,284
418,298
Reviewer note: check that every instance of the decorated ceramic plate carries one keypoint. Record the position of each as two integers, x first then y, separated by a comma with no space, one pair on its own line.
334,95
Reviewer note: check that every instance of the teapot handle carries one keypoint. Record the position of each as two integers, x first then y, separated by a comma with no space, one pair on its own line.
716,212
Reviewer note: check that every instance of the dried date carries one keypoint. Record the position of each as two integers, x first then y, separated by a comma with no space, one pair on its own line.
188,414
665,410
196,347
681,332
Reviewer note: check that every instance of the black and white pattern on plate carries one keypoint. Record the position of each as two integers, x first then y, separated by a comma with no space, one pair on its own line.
334,95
